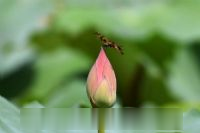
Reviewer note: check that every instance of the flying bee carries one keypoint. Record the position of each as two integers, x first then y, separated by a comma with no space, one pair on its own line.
108,43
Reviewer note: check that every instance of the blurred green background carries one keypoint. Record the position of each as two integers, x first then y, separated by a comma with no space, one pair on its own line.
47,48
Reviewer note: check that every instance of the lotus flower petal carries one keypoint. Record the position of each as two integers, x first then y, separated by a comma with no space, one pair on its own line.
101,82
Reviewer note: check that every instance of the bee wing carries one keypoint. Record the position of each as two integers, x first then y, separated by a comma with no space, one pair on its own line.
120,49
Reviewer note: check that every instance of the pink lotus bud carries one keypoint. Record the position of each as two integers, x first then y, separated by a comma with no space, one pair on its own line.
101,82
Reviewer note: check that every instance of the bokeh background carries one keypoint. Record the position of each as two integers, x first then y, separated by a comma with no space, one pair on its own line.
47,48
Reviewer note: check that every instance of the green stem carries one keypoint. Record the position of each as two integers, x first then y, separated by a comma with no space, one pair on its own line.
101,131
101,120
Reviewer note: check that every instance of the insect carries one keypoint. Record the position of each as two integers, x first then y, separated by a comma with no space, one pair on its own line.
108,43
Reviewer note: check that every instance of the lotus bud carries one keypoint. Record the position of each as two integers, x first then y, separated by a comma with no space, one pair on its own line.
101,82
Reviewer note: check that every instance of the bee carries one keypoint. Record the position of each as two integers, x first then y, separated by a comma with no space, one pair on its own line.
108,43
